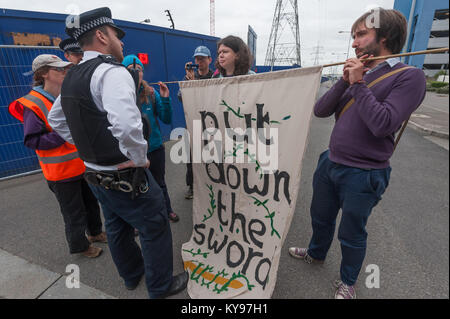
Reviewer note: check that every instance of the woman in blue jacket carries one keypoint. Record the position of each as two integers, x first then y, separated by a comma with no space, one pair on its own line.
154,105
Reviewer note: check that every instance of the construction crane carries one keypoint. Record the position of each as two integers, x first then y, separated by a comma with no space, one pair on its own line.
212,18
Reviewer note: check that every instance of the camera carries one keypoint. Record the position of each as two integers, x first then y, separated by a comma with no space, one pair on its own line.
191,66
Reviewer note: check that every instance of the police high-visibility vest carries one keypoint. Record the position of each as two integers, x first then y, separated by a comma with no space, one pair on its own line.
61,162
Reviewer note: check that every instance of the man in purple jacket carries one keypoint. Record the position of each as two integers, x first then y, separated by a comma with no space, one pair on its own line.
354,173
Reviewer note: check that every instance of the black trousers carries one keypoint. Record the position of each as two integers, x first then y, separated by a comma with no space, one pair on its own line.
157,167
80,211
189,173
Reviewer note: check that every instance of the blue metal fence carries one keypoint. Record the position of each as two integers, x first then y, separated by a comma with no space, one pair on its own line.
168,51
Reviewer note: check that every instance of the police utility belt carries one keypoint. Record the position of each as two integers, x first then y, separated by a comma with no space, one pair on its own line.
130,180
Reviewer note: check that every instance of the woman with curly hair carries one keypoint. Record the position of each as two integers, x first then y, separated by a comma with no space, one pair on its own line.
233,58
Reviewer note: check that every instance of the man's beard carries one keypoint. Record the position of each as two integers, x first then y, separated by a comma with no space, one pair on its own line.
370,49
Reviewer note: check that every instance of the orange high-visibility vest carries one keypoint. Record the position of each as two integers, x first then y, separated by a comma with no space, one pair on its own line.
59,163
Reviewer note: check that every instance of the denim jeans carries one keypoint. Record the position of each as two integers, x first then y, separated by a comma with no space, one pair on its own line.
356,191
147,213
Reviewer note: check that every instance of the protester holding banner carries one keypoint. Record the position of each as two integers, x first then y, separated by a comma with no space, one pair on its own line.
154,106
354,173
61,166
248,173
233,58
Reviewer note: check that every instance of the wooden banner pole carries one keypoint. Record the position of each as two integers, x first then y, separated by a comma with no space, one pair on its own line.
432,51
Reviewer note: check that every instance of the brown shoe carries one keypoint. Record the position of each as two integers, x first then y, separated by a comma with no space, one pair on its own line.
100,238
92,252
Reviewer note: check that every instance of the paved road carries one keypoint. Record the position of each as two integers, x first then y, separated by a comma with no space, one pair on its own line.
408,230
437,101
432,116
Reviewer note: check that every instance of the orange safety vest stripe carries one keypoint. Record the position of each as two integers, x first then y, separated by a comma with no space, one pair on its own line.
63,170
59,163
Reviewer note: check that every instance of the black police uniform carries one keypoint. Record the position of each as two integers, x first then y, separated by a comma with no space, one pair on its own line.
126,202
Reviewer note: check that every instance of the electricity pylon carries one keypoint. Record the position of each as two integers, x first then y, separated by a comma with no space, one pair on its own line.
284,45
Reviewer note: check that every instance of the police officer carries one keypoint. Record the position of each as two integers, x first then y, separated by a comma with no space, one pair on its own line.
72,50
97,112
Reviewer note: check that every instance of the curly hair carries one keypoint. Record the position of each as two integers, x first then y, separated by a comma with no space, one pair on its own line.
244,58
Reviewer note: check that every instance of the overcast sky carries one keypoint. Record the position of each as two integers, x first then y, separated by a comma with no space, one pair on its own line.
319,20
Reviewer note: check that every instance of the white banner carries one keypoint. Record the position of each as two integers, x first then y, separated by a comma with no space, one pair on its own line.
246,186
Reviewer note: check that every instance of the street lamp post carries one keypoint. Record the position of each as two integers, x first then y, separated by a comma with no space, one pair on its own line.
349,41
